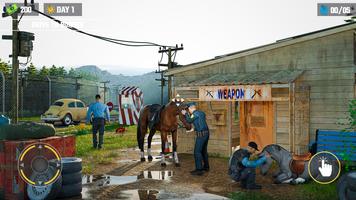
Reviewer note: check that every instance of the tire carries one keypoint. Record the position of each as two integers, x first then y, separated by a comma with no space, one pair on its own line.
342,187
351,181
73,178
67,120
47,192
350,194
71,165
70,190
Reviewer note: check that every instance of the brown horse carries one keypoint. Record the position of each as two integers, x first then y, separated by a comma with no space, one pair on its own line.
167,123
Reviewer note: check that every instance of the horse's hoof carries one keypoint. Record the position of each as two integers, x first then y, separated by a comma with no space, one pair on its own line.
150,158
177,164
293,182
143,159
163,164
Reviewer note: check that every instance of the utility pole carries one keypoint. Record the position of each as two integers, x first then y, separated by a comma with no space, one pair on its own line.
15,69
21,46
77,86
105,88
171,53
15,63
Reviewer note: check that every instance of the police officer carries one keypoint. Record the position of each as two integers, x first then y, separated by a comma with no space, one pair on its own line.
100,112
198,119
243,169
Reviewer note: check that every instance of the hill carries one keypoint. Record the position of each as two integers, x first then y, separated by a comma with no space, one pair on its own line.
146,82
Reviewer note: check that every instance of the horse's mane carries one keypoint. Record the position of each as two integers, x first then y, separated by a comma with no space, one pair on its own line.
270,147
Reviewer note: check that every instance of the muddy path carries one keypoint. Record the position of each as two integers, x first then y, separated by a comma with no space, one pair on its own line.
129,178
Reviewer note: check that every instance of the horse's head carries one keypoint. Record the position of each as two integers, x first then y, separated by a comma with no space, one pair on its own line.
274,151
178,104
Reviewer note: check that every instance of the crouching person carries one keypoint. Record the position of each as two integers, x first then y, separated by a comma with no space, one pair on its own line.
242,169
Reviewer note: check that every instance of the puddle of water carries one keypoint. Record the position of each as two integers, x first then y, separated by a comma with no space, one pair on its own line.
107,180
154,194
156,175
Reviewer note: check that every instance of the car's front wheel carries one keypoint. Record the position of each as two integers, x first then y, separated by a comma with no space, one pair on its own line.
67,120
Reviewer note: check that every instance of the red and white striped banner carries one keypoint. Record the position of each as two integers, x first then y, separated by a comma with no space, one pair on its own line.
130,100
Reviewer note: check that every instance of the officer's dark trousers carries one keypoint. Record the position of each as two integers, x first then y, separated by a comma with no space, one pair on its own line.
201,152
98,125
248,177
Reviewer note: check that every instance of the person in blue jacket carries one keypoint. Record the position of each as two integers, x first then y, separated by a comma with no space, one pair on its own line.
198,119
247,168
100,112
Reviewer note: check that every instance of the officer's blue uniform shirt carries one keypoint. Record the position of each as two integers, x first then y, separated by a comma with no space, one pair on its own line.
253,163
99,110
198,119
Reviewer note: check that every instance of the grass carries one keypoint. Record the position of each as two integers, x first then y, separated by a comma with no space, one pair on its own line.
307,191
30,119
249,196
92,158
316,191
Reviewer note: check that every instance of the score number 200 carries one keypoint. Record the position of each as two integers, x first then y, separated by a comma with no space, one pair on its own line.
26,9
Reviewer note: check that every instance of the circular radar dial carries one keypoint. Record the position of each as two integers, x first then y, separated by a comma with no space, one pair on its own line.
39,164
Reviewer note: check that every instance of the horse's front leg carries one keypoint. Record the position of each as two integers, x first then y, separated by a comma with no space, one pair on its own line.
283,178
175,154
163,146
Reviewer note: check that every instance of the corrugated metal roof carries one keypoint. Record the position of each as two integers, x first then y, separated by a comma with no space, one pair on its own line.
249,78
220,58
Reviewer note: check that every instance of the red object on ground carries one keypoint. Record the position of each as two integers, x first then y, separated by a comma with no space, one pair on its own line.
110,105
12,187
120,130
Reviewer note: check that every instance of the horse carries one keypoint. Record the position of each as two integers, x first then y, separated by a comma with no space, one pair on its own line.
166,123
284,160
346,186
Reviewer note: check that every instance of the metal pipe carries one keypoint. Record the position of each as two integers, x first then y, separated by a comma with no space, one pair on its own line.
49,91
3,91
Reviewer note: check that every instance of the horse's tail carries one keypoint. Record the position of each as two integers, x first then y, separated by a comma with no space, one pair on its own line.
140,137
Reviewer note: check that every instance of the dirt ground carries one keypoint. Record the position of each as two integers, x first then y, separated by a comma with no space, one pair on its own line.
131,179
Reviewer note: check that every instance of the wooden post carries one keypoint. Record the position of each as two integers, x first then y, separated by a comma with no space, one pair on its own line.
291,117
229,125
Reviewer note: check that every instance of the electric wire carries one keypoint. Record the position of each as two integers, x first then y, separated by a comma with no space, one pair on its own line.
112,40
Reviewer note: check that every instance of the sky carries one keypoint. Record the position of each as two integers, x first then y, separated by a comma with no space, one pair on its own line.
207,28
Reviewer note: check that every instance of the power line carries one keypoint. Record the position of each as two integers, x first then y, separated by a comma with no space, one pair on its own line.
112,40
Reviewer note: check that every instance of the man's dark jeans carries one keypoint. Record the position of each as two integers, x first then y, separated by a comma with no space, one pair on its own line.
248,177
201,152
98,125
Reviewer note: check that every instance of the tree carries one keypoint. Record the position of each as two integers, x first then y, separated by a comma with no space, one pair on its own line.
72,72
44,71
61,72
32,71
5,68
53,71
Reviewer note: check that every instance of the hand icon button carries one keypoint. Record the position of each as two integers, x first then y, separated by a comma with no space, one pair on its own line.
325,169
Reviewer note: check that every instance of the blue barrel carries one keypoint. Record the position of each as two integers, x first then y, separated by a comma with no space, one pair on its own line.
4,120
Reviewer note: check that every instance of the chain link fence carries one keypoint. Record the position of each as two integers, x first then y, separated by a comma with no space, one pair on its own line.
37,94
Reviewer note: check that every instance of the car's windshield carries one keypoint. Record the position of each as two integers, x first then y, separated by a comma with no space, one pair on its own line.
58,103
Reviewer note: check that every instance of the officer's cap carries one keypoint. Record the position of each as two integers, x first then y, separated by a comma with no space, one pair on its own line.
191,104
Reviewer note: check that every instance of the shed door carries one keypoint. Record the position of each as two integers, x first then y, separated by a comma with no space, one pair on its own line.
256,123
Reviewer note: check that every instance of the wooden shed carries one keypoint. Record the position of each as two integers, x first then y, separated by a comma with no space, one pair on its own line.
277,93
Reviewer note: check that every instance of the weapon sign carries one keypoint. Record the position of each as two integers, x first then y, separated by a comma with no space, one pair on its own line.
259,92
209,93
